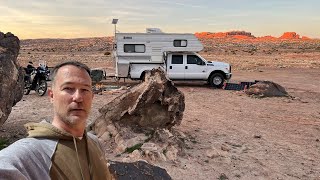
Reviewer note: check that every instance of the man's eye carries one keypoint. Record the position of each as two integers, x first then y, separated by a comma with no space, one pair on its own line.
86,90
67,88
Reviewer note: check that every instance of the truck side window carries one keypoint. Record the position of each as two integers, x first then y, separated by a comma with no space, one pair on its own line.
180,43
193,59
134,48
177,59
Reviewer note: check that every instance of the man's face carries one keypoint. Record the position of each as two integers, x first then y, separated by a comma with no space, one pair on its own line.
71,95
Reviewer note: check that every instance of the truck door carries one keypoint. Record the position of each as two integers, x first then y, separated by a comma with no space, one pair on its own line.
195,67
175,66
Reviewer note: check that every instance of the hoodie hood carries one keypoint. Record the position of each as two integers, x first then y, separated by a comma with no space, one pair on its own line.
46,130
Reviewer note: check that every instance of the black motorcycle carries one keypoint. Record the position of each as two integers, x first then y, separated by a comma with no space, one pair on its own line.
35,79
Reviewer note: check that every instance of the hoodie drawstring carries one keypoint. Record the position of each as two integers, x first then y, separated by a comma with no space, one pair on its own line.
88,158
75,145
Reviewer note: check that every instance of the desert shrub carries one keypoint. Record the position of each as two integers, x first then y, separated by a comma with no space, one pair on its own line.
3,143
132,148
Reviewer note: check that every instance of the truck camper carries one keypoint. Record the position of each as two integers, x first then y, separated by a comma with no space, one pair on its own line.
135,53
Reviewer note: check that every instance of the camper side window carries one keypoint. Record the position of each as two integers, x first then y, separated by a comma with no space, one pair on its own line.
180,43
134,48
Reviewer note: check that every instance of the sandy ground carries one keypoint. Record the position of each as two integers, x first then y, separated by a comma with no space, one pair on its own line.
235,136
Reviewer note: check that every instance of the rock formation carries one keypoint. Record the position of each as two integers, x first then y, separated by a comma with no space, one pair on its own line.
238,35
155,103
290,35
241,33
232,34
140,121
11,74
266,89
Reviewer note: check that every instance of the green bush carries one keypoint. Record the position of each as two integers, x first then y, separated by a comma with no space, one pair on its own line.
3,143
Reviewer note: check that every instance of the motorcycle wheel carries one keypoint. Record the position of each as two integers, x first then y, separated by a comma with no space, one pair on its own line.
42,88
26,91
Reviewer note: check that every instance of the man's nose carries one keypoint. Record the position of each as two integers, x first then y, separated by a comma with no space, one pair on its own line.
78,96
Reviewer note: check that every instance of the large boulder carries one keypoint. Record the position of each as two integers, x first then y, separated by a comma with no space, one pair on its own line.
11,75
266,89
155,103
139,124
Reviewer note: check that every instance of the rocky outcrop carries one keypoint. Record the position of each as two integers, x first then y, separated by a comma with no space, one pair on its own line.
290,35
243,35
266,89
11,74
232,34
155,103
240,33
139,123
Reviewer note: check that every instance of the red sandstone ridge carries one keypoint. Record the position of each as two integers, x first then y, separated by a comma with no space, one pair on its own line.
290,35
242,35
305,38
231,34
267,38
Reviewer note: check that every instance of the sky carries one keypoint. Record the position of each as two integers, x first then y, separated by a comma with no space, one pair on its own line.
31,19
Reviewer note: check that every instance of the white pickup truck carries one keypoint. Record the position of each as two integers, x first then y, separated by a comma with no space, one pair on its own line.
135,53
187,66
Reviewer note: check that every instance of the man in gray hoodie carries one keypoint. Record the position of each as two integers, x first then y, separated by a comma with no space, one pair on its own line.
62,149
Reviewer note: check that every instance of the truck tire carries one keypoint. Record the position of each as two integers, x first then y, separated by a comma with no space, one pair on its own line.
216,80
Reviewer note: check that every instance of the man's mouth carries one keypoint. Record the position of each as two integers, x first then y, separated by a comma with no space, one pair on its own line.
77,110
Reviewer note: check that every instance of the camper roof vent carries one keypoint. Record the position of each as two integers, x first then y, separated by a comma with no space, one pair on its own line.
153,30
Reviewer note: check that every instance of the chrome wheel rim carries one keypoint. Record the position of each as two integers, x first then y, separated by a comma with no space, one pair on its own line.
217,80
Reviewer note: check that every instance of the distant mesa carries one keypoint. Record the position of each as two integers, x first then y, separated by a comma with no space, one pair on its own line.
243,35
267,38
290,35
233,34
305,38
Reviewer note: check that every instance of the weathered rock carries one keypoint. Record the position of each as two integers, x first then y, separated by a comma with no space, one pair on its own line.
149,147
155,103
137,170
141,121
212,153
11,75
266,89
135,155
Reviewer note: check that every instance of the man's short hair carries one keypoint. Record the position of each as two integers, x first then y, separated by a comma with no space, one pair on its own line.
78,64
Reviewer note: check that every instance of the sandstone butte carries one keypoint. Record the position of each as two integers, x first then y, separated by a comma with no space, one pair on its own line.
243,36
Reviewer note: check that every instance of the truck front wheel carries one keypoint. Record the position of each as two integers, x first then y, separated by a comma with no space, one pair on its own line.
216,80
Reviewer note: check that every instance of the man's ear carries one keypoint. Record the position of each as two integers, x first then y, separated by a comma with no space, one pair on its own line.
50,94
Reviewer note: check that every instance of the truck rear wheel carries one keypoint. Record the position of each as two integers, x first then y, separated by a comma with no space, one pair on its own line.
216,80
